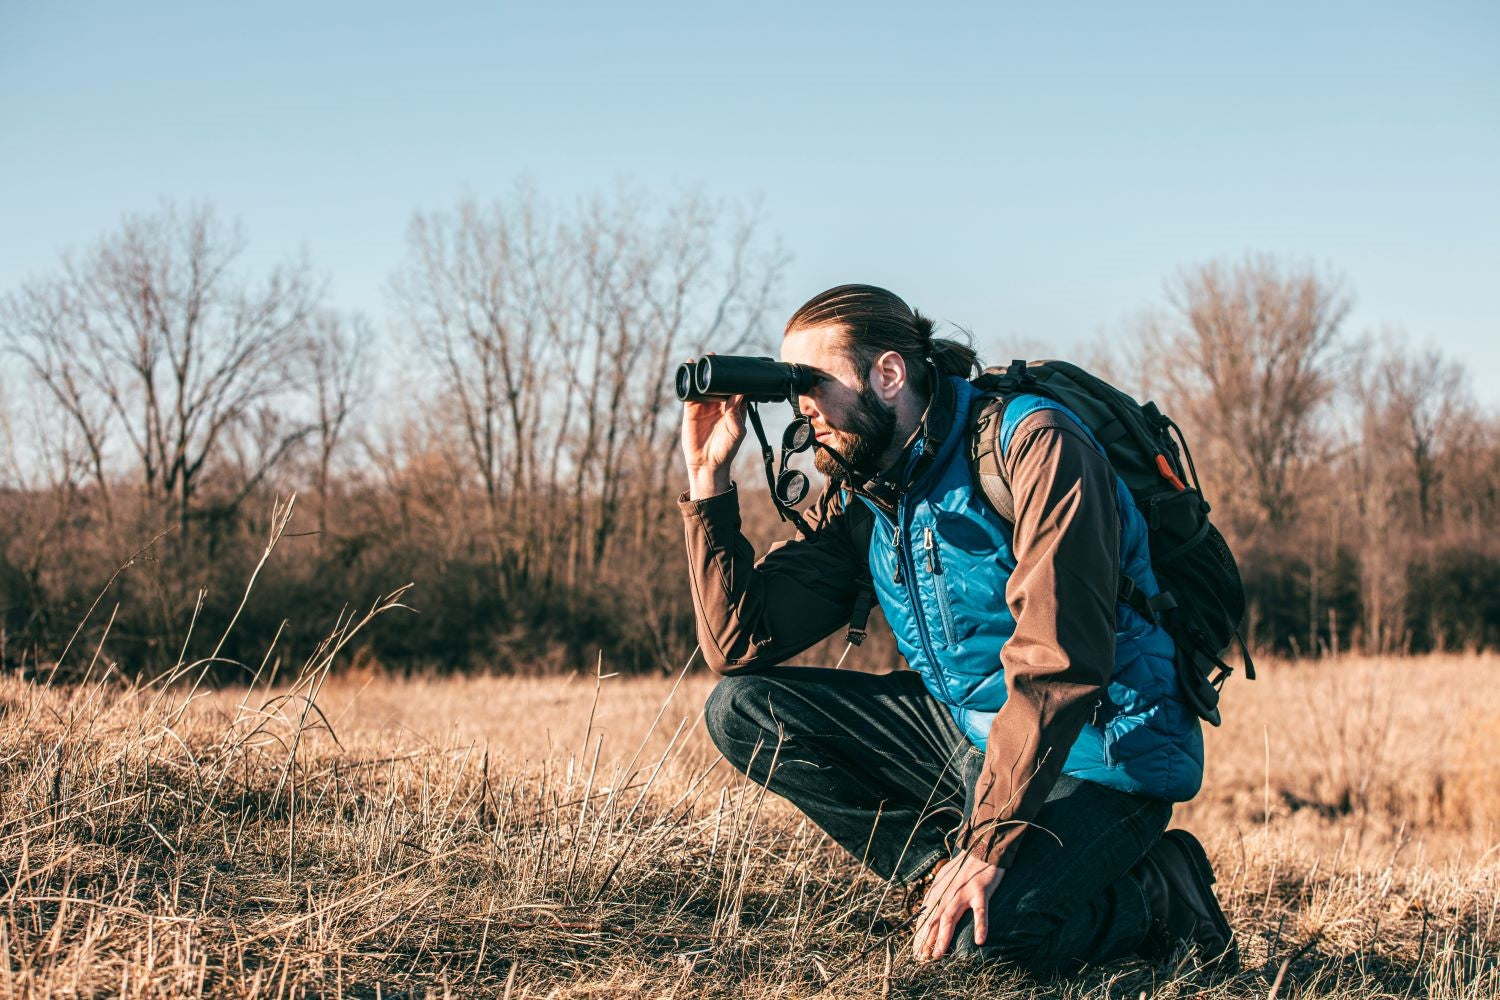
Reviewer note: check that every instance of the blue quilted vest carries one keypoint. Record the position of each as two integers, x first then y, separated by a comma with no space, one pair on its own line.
951,620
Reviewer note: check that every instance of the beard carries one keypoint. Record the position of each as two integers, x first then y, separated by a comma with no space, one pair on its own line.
870,427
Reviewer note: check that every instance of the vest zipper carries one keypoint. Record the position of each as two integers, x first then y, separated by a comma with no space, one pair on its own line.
914,596
935,567
901,577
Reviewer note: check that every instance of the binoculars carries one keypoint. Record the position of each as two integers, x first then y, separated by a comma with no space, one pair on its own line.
759,380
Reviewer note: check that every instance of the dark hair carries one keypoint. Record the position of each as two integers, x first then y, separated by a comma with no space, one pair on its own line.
873,321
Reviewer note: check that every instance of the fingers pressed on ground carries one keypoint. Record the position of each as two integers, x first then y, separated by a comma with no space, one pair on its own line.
944,936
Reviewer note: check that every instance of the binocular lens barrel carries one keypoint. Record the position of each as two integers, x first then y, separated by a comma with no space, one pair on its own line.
759,380
686,383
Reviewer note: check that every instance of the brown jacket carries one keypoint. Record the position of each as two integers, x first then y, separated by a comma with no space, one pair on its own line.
753,615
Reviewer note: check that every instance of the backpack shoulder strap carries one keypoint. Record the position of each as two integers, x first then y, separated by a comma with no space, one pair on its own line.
984,455
985,460
998,386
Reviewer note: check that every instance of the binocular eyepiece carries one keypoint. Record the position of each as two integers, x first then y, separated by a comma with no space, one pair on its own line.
759,380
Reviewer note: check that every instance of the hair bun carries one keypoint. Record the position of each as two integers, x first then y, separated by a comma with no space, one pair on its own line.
923,326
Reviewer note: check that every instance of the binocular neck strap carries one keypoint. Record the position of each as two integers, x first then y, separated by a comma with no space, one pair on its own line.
769,457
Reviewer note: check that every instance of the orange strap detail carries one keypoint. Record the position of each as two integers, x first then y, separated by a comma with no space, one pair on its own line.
1165,468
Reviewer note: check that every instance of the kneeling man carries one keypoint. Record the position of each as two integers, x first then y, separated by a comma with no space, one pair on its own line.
1022,772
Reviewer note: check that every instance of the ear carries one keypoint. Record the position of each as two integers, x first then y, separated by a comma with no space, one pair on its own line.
888,376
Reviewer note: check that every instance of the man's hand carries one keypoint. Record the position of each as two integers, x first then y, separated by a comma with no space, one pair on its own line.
712,431
961,883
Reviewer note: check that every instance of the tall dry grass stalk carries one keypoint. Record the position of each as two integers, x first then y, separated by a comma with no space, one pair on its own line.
347,833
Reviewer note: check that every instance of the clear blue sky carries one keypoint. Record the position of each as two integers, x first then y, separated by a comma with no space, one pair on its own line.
1030,171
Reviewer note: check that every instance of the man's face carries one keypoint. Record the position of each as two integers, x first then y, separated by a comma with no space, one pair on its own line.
847,415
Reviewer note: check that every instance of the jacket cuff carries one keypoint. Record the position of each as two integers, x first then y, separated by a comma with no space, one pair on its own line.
998,847
718,516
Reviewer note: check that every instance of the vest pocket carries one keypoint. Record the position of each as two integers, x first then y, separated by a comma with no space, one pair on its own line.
945,611
940,587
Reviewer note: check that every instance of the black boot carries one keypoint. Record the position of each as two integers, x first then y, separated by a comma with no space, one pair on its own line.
1178,882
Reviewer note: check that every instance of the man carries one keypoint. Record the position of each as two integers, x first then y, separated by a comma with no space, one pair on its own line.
1025,766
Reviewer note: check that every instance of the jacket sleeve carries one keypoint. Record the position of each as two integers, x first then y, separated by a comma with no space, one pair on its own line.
752,615
1061,655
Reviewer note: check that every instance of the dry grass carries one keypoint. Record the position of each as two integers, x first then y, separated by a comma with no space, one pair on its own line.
578,836
575,837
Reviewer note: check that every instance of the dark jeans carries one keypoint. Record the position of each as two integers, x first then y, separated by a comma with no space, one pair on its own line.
880,765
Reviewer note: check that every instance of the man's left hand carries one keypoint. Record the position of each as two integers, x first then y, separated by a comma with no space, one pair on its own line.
961,883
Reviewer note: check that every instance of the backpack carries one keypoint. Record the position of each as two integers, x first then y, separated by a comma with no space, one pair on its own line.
1202,599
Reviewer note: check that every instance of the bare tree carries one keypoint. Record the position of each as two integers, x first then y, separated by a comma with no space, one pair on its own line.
154,338
1426,400
470,293
1471,481
1413,472
40,468
554,335
1251,356
339,352
39,324
1375,473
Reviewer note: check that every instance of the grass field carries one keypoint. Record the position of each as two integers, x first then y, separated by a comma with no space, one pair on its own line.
577,837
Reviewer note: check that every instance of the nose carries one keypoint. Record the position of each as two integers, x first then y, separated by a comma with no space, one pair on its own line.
806,407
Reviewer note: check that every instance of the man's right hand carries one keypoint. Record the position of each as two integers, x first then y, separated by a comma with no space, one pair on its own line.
712,432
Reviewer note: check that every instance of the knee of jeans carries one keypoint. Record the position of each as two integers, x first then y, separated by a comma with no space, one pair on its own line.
724,715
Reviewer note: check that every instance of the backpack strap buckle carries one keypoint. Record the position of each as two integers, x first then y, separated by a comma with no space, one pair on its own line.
859,618
1016,378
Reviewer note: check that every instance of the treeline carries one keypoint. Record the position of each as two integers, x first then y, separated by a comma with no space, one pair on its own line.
508,446
1356,476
